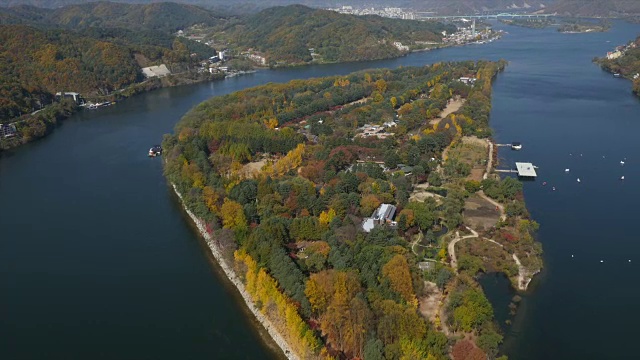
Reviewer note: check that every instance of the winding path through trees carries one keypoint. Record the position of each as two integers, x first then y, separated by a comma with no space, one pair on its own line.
523,278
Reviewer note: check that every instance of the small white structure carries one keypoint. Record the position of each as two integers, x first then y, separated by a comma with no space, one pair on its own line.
70,95
526,169
156,71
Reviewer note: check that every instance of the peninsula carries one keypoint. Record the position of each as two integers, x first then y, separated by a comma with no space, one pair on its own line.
624,61
353,213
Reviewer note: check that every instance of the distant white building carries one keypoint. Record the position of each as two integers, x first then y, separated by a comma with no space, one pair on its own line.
468,80
77,98
614,54
156,71
258,59
382,216
400,47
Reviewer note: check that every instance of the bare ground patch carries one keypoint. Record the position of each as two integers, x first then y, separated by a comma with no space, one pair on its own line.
453,105
430,303
479,213
252,168
420,194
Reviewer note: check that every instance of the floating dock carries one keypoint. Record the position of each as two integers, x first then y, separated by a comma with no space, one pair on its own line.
526,170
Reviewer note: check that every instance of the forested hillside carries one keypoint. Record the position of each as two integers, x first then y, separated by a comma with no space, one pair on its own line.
287,33
283,175
161,17
35,64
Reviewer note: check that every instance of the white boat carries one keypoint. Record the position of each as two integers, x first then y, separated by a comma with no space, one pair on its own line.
622,178
621,162
578,179
516,146
566,170
155,151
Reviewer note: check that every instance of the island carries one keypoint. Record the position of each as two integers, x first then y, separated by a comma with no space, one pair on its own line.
354,213
572,27
533,23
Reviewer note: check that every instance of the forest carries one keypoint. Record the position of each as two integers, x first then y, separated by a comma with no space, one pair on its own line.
283,176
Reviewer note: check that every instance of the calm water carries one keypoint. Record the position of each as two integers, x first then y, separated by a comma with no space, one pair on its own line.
97,260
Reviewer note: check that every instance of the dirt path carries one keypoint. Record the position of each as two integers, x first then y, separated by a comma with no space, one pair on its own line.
503,216
524,278
453,105
490,162
452,246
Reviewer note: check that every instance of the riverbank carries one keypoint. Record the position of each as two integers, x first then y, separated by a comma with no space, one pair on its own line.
239,285
39,124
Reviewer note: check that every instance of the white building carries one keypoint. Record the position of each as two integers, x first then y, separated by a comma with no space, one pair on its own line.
614,55
382,216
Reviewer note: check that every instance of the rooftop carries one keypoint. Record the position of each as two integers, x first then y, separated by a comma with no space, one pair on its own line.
526,169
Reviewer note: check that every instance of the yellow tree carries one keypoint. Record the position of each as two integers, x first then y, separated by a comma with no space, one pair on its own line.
232,215
326,216
369,203
397,271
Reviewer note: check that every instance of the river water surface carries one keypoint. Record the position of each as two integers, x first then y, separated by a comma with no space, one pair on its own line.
97,260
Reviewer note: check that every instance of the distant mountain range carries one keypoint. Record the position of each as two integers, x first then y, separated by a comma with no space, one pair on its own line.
450,7
444,6
595,7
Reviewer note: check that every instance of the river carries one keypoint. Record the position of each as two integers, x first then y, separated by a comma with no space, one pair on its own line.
97,259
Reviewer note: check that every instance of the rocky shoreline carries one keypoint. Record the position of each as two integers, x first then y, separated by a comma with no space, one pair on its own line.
231,275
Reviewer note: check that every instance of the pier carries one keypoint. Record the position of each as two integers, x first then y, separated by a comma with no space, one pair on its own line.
524,170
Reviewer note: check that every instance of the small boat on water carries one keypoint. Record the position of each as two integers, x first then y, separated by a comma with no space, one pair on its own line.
516,146
544,183
617,75
578,179
566,170
553,188
622,178
155,151
621,162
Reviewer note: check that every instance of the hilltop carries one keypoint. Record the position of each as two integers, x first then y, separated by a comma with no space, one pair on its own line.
163,17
